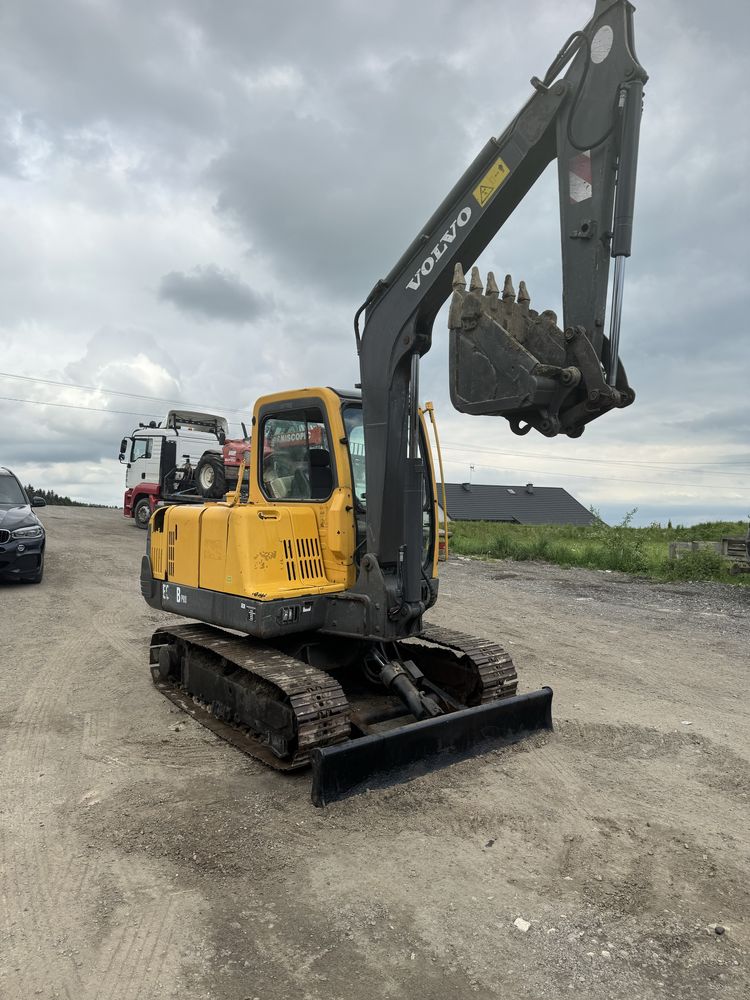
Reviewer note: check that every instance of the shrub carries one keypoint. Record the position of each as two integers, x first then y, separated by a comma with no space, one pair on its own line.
598,546
622,546
705,564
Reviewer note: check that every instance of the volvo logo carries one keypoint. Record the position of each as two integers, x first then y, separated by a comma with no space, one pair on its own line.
439,249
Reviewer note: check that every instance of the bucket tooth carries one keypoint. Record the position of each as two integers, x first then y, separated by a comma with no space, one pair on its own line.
509,292
457,299
491,291
459,280
475,285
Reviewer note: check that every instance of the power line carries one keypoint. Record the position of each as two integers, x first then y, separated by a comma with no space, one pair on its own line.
75,406
455,446
113,392
448,445
91,409
608,479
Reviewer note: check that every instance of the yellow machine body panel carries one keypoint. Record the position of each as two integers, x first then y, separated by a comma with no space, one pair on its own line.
250,551
269,547
179,542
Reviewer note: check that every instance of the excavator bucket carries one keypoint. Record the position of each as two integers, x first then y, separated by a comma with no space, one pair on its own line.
341,770
508,360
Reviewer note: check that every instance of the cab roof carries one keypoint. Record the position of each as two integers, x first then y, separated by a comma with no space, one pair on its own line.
353,395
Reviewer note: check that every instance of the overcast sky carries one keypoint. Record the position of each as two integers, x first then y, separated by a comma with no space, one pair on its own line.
196,197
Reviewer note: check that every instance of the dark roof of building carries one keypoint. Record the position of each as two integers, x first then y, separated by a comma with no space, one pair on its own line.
527,504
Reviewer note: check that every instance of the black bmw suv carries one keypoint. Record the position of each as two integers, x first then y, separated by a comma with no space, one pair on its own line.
21,532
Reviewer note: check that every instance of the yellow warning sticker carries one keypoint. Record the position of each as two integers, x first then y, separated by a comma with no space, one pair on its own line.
491,181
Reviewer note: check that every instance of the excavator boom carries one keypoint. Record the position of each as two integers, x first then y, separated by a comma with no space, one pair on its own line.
529,370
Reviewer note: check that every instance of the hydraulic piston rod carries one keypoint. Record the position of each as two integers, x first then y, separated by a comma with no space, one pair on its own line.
630,103
618,285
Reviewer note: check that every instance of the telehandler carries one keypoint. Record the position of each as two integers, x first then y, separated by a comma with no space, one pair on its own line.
310,645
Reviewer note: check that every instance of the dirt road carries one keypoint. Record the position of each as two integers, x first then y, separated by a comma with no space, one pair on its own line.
143,858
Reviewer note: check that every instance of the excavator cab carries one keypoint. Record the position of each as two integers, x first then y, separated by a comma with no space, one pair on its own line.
270,558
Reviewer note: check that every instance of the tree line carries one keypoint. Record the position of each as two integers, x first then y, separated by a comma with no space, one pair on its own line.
55,499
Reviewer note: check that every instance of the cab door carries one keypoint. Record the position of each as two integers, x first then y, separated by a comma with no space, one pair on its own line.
301,462
143,461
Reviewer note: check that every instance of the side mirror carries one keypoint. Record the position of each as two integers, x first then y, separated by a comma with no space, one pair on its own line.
123,449
38,502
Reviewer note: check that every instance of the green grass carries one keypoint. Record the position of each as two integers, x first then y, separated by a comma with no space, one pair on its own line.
641,551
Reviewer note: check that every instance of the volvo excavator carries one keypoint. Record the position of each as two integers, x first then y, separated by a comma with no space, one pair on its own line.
308,644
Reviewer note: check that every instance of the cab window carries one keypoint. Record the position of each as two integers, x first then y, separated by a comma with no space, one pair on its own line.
355,437
296,456
141,448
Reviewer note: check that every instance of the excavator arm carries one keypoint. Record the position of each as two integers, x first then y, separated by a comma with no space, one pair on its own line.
505,358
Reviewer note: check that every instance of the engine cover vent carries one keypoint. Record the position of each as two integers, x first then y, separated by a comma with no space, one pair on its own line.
303,560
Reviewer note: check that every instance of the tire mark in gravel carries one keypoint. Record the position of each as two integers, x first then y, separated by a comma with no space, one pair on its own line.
135,955
199,749
45,863
48,869
585,798
75,876
116,627
41,852
98,730
96,745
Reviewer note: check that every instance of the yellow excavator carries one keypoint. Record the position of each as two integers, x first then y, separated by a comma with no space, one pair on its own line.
308,593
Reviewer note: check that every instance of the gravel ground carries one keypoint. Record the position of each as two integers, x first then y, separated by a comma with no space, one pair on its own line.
144,858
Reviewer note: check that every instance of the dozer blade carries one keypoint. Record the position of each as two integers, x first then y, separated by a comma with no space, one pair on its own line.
339,770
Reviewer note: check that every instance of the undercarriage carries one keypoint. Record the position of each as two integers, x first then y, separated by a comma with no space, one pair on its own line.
376,708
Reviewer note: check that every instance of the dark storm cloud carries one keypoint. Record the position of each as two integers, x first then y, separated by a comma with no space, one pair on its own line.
211,293
80,65
731,421
335,200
